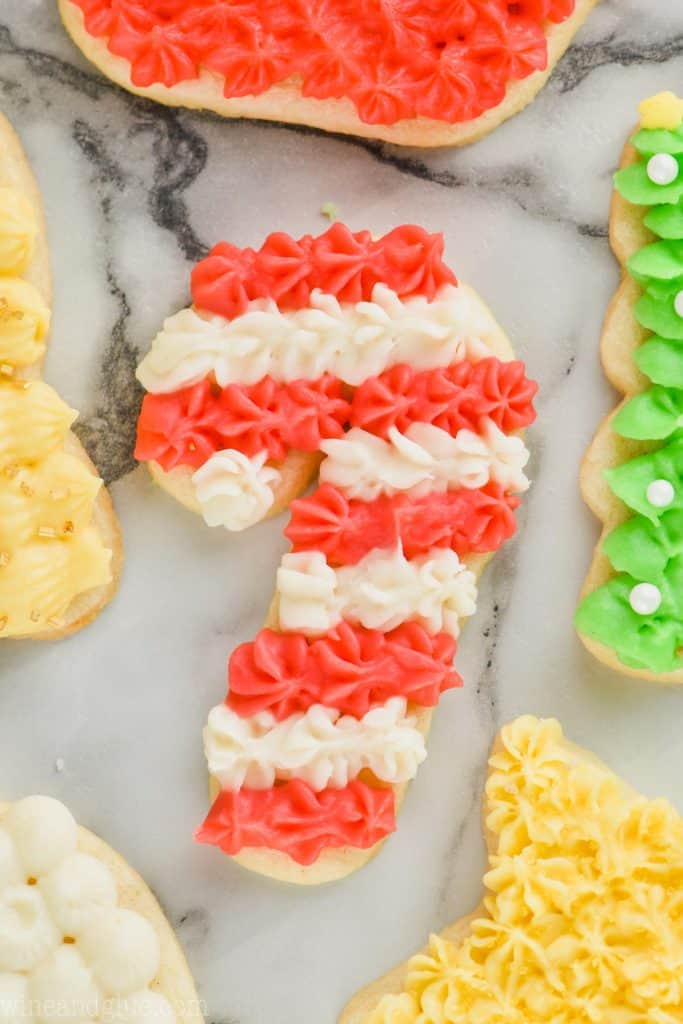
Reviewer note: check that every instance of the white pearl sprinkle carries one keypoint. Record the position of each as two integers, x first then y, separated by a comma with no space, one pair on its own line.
678,304
660,493
645,598
662,169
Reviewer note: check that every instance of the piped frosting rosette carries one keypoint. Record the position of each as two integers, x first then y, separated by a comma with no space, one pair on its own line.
370,353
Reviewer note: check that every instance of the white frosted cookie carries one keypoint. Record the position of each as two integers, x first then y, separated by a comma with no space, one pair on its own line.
81,936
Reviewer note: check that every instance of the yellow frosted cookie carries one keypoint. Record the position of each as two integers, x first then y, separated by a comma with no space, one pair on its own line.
24,323
19,230
582,917
60,547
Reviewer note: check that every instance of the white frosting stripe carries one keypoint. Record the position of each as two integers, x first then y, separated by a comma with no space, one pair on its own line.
352,342
236,491
426,457
49,892
379,592
233,490
319,746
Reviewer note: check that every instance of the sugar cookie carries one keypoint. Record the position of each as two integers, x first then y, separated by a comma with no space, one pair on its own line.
369,352
631,613
60,546
82,938
412,73
581,919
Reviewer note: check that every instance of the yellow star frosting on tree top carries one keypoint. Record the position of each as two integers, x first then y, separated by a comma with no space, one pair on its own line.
582,922
664,110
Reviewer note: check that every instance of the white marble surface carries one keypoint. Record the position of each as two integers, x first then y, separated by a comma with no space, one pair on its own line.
133,194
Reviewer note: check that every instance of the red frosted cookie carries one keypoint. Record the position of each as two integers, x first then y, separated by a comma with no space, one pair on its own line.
367,359
416,72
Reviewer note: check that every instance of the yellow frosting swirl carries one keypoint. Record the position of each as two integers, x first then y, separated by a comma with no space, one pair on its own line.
51,499
665,110
41,579
24,322
49,550
33,422
18,231
584,896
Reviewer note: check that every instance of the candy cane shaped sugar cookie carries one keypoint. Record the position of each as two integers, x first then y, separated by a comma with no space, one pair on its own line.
82,938
631,613
370,353
60,548
581,919
409,72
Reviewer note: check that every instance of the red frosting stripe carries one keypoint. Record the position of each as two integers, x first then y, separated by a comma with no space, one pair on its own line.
339,262
404,59
186,427
452,397
350,668
293,819
468,521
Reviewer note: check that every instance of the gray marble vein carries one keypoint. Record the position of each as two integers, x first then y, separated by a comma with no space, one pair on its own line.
134,194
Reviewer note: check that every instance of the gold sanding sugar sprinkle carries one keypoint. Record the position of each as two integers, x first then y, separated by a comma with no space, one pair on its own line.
54,622
3,621
6,370
11,471
47,531
59,493
9,314
68,526
26,489
4,559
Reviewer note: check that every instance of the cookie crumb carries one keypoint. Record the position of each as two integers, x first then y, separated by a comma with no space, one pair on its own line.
330,211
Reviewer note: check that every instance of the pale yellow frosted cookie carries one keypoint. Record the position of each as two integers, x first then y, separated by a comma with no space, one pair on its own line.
60,544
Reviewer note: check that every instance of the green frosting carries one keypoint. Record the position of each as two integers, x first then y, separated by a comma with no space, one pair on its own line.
660,261
665,221
655,310
661,359
649,141
641,641
644,549
634,185
648,547
631,480
654,414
